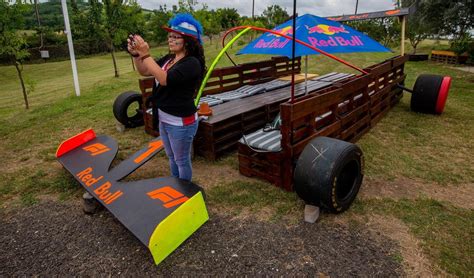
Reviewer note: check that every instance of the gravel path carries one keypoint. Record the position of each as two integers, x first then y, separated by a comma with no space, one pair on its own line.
56,238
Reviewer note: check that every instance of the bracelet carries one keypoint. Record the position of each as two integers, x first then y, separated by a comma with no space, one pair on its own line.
144,57
134,55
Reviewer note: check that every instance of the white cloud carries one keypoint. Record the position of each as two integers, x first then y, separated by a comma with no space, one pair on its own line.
320,8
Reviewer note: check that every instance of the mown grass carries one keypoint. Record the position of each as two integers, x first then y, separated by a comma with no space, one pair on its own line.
431,148
253,196
446,232
437,150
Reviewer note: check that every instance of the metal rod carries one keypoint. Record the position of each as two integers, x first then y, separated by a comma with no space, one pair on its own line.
404,88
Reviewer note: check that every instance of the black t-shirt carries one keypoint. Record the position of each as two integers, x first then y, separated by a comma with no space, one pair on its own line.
176,98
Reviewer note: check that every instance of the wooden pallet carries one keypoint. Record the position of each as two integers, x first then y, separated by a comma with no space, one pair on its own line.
448,57
346,111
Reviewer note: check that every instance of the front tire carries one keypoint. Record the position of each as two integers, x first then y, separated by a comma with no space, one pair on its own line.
329,173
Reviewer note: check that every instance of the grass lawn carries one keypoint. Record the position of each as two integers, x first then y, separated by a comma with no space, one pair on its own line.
431,153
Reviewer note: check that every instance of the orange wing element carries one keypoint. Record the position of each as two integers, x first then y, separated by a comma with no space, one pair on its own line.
169,196
393,12
75,141
204,109
153,146
96,149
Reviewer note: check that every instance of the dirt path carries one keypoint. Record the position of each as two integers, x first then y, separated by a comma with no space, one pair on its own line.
415,263
56,238
458,195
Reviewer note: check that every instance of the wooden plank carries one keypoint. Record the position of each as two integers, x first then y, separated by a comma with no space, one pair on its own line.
350,130
355,84
326,131
380,68
354,114
315,103
399,60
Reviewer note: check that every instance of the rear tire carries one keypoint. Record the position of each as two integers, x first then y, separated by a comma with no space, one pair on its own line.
329,173
123,106
430,93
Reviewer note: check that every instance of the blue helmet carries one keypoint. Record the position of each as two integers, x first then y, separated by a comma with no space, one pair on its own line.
186,25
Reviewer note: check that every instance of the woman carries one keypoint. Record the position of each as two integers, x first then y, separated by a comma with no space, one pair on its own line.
177,76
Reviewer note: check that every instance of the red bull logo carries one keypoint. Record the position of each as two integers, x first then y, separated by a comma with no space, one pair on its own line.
326,29
284,31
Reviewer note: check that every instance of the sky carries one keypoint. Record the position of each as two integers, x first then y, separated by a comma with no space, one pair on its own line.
316,7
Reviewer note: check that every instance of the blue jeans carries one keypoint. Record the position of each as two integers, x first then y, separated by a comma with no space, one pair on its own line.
178,141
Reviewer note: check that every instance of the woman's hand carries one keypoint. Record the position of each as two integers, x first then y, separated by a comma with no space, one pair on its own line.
141,47
131,47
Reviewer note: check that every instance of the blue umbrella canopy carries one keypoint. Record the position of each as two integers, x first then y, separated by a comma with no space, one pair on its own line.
329,36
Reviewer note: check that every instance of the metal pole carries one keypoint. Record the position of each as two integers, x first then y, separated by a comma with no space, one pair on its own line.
253,9
357,4
71,47
402,46
305,74
293,46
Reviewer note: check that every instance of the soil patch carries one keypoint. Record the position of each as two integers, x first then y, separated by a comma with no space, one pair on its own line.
56,238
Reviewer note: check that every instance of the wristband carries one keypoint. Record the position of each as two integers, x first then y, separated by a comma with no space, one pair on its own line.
144,57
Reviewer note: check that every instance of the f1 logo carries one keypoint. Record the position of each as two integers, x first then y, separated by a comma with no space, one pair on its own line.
169,196
96,149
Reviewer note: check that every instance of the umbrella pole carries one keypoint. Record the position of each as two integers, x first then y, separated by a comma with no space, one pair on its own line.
306,74
293,44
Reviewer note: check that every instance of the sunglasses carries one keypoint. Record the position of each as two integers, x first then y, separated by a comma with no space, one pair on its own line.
173,37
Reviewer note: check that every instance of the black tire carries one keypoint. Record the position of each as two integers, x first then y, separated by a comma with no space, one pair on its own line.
425,93
122,108
329,173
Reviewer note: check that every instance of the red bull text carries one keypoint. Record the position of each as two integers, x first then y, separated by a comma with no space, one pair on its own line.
336,41
274,43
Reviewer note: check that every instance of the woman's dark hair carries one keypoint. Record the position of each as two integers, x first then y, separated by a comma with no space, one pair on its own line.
194,48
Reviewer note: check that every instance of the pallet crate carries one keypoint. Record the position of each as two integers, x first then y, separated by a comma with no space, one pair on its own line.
346,111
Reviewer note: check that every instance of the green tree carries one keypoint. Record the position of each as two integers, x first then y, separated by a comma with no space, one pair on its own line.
158,19
210,22
121,18
383,30
257,22
418,29
12,45
228,17
275,15
453,18
51,15
95,26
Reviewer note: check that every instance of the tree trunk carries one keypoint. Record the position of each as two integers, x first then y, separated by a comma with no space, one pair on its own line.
22,83
113,59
